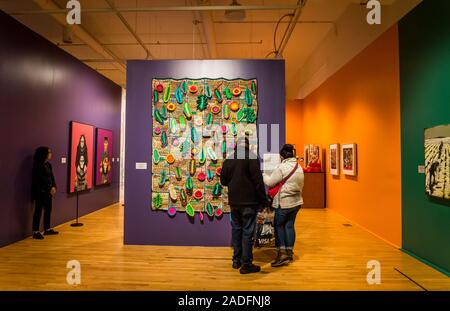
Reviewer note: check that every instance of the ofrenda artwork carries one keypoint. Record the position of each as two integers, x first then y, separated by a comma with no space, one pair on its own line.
196,124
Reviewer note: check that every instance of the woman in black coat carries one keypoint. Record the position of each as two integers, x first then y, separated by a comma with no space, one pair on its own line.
42,190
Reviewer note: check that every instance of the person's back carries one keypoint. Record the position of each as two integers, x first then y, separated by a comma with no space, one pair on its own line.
242,175
244,180
290,194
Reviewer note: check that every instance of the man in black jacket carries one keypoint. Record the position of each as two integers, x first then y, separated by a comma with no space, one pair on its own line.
242,175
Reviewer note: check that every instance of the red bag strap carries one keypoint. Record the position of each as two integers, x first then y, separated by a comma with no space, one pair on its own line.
290,174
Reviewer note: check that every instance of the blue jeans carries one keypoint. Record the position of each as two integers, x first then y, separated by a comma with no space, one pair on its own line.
284,227
243,221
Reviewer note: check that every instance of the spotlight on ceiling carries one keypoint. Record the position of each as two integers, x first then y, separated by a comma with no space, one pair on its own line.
67,35
235,15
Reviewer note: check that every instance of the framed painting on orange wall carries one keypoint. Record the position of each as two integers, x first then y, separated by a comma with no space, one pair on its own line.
349,157
334,159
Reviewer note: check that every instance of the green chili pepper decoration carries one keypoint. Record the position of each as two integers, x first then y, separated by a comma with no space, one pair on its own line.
164,112
212,154
183,197
216,136
178,173
208,92
192,167
156,156
158,117
182,123
209,120
224,148
164,140
209,175
184,87
167,94
217,190
226,111
190,210
218,95
202,157
241,115
233,129
187,110
209,209
157,201
248,97
189,185
155,96
254,87
194,135
202,103
179,95
173,126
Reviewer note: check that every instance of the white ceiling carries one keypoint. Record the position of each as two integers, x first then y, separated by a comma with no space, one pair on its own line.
176,32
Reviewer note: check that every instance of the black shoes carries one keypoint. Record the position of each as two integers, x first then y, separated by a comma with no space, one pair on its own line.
236,265
250,269
282,259
38,236
51,232
290,254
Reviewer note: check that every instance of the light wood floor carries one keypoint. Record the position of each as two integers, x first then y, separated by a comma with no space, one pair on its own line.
330,256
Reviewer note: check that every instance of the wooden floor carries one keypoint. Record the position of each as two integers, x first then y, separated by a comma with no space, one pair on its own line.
330,256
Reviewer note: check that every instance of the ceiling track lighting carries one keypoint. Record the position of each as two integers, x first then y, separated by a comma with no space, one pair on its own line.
67,35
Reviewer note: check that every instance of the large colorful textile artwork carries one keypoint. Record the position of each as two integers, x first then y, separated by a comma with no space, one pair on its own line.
196,123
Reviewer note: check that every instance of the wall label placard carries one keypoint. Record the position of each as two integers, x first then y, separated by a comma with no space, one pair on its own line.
141,165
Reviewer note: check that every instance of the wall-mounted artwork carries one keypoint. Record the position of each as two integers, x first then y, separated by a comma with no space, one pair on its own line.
334,159
81,156
437,161
313,158
196,123
349,157
103,157
305,156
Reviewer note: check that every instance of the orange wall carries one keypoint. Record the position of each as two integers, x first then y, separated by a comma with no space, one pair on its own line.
360,104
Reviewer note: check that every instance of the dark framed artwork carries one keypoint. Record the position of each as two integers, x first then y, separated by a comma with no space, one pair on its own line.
437,161
349,159
81,157
334,159
103,156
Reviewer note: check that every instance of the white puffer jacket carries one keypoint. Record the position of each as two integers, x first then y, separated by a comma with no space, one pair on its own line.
290,194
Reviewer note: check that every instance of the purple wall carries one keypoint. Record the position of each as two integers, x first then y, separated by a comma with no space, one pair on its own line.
144,226
42,88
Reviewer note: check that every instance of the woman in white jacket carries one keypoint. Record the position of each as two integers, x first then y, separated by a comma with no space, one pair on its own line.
287,202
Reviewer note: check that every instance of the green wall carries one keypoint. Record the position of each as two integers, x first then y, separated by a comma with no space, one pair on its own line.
424,36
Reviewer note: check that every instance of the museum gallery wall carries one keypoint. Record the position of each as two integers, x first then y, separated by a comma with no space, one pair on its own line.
425,115
41,103
356,106
197,88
